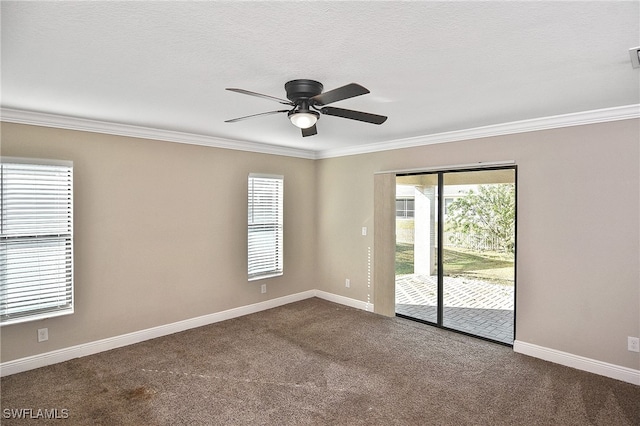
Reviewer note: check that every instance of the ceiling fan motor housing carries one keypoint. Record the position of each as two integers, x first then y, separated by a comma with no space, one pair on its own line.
302,89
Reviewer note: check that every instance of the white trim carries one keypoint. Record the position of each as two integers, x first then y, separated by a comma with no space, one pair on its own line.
61,355
108,128
478,165
544,123
265,176
347,301
65,354
39,161
613,371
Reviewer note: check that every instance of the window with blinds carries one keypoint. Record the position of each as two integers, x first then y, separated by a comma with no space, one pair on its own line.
265,226
36,239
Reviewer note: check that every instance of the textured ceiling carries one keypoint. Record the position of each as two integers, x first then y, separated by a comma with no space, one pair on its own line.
431,67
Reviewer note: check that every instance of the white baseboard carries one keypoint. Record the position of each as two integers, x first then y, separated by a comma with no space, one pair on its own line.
613,371
365,306
65,354
624,374
61,355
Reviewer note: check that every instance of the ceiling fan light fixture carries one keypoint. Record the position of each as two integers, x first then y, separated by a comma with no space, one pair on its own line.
304,119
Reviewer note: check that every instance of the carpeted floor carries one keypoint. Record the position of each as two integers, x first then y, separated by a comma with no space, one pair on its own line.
316,362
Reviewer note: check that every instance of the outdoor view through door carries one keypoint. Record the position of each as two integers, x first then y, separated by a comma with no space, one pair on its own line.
458,272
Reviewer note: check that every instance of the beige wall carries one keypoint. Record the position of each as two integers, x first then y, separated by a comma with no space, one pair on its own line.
160,233
578,256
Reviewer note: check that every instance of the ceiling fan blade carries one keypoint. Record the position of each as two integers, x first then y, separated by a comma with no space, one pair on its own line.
354,115
233,120
310,131
344,92
260,95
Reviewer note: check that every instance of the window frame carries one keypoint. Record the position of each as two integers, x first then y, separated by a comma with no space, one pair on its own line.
265,216
49,242
405,212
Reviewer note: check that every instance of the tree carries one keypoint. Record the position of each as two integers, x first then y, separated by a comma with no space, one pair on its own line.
488,213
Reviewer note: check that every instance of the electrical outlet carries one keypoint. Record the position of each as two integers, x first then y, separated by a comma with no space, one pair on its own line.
364,230
347,283
263,288
43,334
633,344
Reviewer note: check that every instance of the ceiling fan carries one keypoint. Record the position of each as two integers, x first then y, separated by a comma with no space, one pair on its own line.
308,102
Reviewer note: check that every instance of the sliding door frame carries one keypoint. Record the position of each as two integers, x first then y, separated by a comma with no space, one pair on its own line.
440,249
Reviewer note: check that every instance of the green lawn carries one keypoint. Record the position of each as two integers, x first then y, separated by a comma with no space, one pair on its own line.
490,266
404,258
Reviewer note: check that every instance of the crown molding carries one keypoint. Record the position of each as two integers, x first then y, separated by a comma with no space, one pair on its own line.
545,123
95,126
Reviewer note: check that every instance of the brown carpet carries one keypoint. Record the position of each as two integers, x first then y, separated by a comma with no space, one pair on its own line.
316,362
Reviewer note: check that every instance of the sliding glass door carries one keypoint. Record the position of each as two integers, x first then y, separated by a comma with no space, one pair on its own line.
455,250
417,247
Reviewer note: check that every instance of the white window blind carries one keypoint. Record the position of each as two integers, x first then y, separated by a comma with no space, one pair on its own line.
36,240
265,226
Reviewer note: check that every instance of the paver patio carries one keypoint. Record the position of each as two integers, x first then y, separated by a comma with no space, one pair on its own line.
473,306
